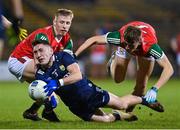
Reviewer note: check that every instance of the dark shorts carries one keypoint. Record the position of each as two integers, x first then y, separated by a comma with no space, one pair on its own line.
84,100
85,111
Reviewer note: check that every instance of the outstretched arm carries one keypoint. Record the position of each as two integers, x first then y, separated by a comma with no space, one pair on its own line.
166,73
89,42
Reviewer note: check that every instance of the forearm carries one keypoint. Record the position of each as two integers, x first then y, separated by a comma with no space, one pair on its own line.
88,43
72,78
84,46
18,8
165,75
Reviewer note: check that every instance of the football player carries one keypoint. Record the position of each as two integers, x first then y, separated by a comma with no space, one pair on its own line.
21,63
136,39
84,99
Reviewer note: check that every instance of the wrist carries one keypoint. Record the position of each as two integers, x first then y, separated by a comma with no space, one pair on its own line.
61,82
155,89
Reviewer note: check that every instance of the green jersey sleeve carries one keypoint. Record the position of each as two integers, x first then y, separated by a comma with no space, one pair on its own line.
113,38
156,52
69,45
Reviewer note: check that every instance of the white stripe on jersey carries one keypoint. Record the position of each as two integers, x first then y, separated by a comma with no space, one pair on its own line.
155,53
113,40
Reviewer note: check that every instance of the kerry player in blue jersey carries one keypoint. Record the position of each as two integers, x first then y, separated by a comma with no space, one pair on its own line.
83,98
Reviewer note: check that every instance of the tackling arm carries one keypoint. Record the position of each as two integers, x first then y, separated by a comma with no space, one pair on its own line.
89,42
74,76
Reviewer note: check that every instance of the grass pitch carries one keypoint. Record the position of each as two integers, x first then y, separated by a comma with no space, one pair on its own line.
14,100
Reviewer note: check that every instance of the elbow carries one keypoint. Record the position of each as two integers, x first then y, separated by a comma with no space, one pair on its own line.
79,77
171,71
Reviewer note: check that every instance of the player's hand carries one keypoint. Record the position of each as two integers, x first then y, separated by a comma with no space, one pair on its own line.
51,86
22,33
151,95
53,101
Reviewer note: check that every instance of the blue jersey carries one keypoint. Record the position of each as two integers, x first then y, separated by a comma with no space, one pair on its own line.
82,97
58,70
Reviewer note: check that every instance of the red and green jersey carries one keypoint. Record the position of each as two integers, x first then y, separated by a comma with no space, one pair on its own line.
24,48
149,45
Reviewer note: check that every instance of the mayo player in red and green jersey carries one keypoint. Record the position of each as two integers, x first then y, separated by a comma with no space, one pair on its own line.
135,39
21,63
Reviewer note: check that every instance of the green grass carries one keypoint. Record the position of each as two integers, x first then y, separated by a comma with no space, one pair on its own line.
14,100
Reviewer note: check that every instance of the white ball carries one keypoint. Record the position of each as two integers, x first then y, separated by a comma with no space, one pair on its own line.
36,90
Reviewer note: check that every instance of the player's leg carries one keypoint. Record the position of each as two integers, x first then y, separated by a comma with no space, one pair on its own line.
144,69
118,64
24,70
122,103
103,118
48,112
29,72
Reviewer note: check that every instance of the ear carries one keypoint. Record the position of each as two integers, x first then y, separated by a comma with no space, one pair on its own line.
51,51
54,21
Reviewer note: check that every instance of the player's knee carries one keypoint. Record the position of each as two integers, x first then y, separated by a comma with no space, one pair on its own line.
124,105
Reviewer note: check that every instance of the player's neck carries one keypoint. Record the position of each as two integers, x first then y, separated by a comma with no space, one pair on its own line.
58,36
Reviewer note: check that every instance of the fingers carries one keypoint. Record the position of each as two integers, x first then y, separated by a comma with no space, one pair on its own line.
46,88
22,33
46,80
53,101
150,99
49,92
150,96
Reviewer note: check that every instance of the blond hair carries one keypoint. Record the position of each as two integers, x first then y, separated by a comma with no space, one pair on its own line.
64,12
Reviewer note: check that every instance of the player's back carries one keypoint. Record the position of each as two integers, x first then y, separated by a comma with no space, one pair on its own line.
24,48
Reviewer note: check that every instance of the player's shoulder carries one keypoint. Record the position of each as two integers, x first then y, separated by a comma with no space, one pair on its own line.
43,30
64,53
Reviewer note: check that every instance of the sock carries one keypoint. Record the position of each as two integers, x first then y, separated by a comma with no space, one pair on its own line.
117,116
35,107
48,106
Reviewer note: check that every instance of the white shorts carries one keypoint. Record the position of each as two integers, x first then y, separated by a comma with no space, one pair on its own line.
16,66
121,52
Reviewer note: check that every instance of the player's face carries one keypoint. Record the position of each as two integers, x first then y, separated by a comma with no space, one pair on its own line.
42,54
62,24
131,47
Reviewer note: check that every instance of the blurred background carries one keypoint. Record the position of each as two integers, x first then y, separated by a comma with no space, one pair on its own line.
96,17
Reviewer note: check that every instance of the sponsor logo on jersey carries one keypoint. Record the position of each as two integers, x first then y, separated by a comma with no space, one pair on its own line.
40,72
62,68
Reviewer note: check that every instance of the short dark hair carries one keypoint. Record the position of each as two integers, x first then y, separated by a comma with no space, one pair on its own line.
132,34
